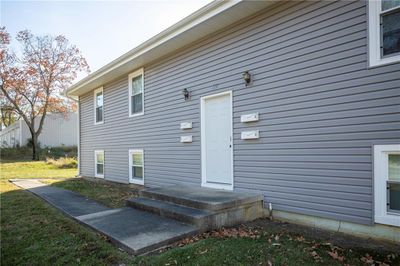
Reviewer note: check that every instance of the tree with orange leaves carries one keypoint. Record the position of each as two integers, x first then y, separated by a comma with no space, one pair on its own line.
32,83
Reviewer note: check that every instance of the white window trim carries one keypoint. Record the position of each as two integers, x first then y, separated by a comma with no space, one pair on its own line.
374,36
131,76
95,105
381,152
131,180
95,163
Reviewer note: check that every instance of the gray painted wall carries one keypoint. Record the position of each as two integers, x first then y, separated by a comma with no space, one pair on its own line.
321,110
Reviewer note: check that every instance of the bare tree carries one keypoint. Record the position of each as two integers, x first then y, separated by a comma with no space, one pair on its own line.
32,82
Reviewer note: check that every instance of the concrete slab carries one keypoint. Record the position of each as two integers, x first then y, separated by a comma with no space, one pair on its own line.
200,197
69,202
133,230
137,231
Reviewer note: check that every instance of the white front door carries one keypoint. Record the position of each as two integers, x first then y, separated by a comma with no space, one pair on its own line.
216,141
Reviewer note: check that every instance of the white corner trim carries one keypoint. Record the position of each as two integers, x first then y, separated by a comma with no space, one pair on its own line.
374,36
79,137
95,105
95,163
131,180
380,178
130,77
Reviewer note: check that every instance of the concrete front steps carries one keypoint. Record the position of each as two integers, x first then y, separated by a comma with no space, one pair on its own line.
203,207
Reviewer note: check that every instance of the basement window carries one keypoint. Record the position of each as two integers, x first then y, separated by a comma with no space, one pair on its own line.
136,167
99,163
136,93
384,31
387,184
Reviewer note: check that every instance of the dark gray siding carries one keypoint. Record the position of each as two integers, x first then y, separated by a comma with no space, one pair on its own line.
321,110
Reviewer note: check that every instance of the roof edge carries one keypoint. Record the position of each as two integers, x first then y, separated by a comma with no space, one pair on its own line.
199,16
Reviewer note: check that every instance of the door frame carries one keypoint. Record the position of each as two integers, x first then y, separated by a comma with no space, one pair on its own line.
203,142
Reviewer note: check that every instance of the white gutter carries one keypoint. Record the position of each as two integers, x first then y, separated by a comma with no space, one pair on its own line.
185,24
210,18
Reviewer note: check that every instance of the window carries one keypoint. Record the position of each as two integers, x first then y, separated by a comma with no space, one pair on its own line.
393,183
384,31
387,184
136,93
98,106
99,164
136,167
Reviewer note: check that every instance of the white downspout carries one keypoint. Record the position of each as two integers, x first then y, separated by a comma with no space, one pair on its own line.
79,137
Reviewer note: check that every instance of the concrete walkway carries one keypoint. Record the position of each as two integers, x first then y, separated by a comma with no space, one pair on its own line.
133,230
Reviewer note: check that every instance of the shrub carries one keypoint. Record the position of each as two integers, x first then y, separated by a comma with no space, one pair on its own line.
63,162
19,153
58,152
25,153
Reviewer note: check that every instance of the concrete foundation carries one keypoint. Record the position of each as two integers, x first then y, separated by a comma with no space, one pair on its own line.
376,231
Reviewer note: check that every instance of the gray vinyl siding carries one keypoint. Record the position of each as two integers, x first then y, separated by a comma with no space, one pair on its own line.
321,110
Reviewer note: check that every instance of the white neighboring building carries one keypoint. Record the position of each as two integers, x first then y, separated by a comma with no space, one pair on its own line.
57,130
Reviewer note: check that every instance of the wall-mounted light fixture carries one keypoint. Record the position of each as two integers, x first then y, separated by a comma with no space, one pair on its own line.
186,93
246,77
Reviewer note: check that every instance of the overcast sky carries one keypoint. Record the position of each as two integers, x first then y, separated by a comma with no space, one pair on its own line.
103,30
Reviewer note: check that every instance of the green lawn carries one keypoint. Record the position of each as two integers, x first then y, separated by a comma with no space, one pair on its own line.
33,233
40,169
109,194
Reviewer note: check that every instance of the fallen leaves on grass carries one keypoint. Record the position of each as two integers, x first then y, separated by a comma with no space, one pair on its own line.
222,233
235,232
315,256
391,256
335,255
367,259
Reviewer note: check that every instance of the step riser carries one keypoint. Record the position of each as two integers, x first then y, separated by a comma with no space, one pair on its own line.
217,219
170,199
166,213
196,204
237,215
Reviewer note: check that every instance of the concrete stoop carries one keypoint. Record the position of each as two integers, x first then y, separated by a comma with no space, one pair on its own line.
159,217
204,208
